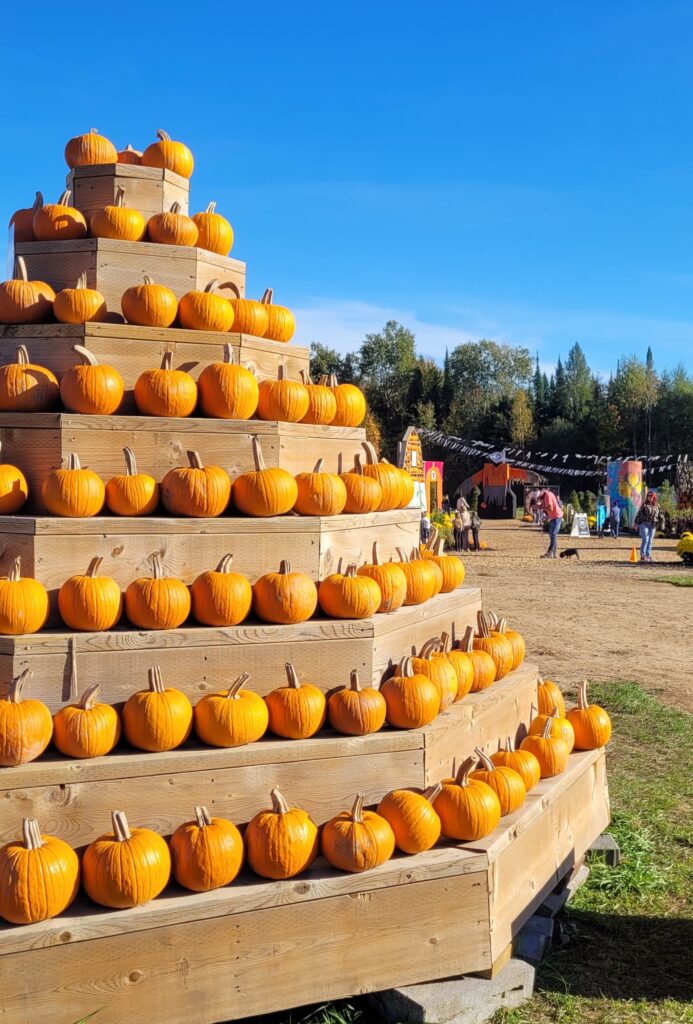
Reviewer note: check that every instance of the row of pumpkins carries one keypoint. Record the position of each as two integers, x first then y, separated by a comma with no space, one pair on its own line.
40,875
224,390
145,305
202,491
220,597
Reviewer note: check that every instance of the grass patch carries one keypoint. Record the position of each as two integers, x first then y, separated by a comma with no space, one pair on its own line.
676,581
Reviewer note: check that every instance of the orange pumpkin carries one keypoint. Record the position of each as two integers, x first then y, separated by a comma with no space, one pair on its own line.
451,566
264,491
549,696
205,311
418,581
158,601
85,729
322,405
590,723
196,490
227,390
364,493
25,387
349,400
355,710
319,493
516,640
506,783
221,597
73,492
79,305
560,728
157,719
389,478
214,231
14,489
250,316
90,602
21,223
281,324
282,841
125,868
463,665
348,596
233,717
165,391
296,711
91,148
23,301
282,399
434,663
390,579
129,155
59,222
522,761
467,807
432,572
284,597
23,602
412,818
149,304
357,840
39,876
206,853
118,221
412,698
551,752
495,644
169,155
172,228
483,665
91,387
132,493
26,726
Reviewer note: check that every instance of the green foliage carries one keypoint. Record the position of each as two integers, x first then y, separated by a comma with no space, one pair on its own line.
574,500
521,419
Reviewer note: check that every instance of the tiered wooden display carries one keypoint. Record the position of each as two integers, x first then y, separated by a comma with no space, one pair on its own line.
254,946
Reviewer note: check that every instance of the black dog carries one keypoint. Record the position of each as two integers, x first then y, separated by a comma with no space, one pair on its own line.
570,553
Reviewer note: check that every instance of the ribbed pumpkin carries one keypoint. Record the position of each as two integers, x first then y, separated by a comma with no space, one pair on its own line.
390,579
284,597
169,155
196,490
551,752
283,400
90,148
79,305
412,698
282,841
73,492
297,710
233,717
227,390
483,665
206,853
431,570
387,476
25,387
39,876
462,664
590,722
59,222
90,602
451,566
87,728
281,324
23,602
149,304
468,808
495,644
357,840
215,234
364,493
515,639
433,662
91,387
125,867
165,391
322,405
129,155
26,726
350,402
549,696
132,493
319,493
250,316
221,597
264,491
560,727
418,580
22,222
157,719
412,818
118,221
205,311
506,783
356,710
172,228
23,301
348,596
157,601
522,761
14,490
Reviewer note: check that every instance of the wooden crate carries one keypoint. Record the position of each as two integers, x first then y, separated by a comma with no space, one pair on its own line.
197,659
150,190
132,350
240,951
112,266
40,442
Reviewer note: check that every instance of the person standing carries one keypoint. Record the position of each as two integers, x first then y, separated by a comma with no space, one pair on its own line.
647,520
553,510
615,519
466,520
475,520
457,531
425,527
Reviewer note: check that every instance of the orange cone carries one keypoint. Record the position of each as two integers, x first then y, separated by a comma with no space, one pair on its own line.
633,554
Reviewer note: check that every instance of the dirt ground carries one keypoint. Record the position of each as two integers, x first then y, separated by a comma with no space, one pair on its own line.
600,617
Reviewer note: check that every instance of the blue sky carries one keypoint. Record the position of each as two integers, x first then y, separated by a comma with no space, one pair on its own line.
515,171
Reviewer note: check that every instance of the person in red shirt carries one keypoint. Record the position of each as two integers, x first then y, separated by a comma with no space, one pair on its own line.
553,510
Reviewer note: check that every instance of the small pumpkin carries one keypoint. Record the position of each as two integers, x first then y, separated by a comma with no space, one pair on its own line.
590,722
250,316
348,596
463,665
25,387
282,841
169,155
281,324
215,234
233,717
412,818
506,783
87,728
59,222
387,476
196,490
90,602
157,601
322,405
149,304
451,566
227,390
283,400
424,578
297,710
431,570
264,491
549,696
73,492
284,597
39,876
467,807
221,597
14,489
357,840
495,644
91,387
319,493
129,155
349,400
79,305
118,221
157,719
90,148
390,579
483,665
165,391
22,222
355,710
434,663
206,853
23,602
26,726
522,761
364,493
172,228
560,727
23,301
205,310
515,639
412,698
132,493
125,867
551,752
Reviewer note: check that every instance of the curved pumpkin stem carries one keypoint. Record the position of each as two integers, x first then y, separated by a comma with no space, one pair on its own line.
88,698
485,759
130,462
354,682
258,457
332,380
87,356
232,287
15,573
236,685
467,641
546,731
16,690
432,792
371,454
403,556
73,461
64,199
211,207
279,804
121,829
376,553
157,566
156,684
22,355
119,200
429,648
439,548
229,356
31,834
284,567
483,625
292,677
20,272
81,281
167,360
305,378
444,642
38,202
358,468
430,543
225,564
162,136
465,770
501,625
582,698
357,809
318,466
175,208
147,279
406,666
211,286
202,816
415,555
351,571
195,460
94,566
267,297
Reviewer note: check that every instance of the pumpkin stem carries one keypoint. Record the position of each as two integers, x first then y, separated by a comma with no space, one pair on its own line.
465,770
225,564
130,462
167,361
22,355
121,829
371,454
439,547
88,698
429,648
236,686
73,461
175,208
94,566
583,702
228,353
211,285
157,566
267,297
281,372
509,744
318,466
82,281
406,667
120,193
211,207
445,642
156,684
284,567
195,460
202,816
31,834
147,279
430,543
403,556
15,694
354,683
38,202
376,553
292,677
257,454
483,626
15,573
332,380
546,731
87,356
351,571
485,759
415,555
305,377
358,468
433,792
501,625
357,809
72,648
279,804
162,135
467,641
20,273
64,199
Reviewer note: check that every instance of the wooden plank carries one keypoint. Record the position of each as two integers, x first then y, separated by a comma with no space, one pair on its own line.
150,190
